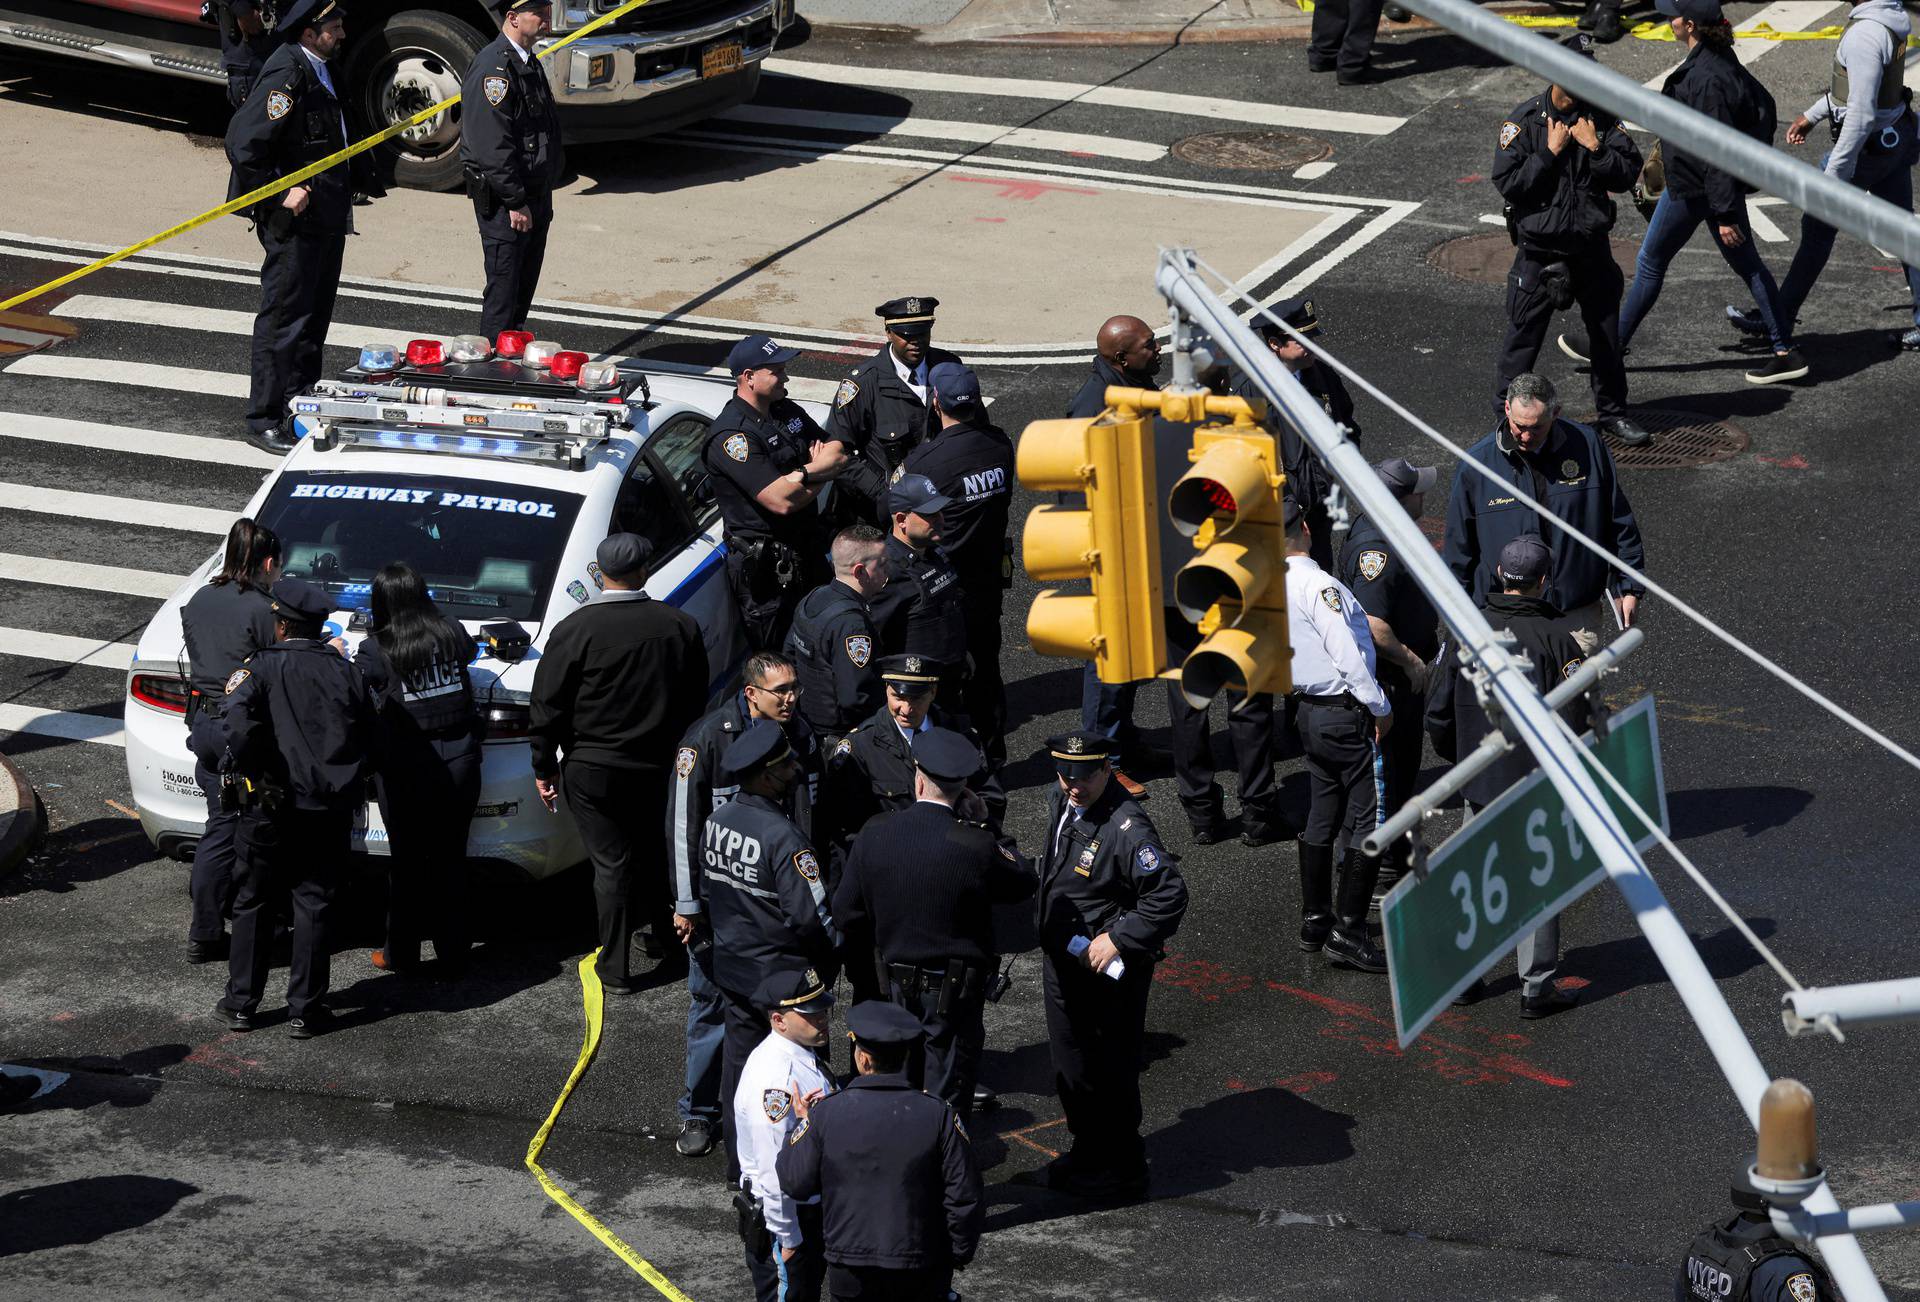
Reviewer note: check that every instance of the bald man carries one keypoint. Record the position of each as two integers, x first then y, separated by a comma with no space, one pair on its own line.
1128,356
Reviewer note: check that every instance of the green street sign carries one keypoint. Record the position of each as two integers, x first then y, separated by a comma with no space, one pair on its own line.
1518,862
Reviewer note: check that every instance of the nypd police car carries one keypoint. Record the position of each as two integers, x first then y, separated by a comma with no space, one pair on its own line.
494,470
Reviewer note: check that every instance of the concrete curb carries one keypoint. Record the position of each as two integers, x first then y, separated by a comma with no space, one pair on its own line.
22,820
991,33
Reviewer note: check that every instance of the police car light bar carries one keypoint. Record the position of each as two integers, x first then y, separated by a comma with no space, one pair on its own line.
568,453
379,409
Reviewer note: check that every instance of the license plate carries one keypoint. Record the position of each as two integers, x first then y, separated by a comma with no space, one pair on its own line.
719,60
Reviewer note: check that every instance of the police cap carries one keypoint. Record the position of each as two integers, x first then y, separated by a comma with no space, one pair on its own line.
1525,561
916,494
1405,478
957,386
944,754
877,1023
910,675
793,990
1291,512
1296,312
1582,43
505,7
623,555
761,746
1076,754
908,316
300,602
758,350
1700,11
302,14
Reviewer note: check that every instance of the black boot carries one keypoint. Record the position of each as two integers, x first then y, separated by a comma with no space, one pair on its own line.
1349,944
1607,27
1316,895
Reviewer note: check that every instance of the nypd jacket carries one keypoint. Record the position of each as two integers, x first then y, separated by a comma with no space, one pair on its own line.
509,128
972,463
918,612
895,1174
435,700
223,624
876,415
766,895
835,653
299,718
1713,82
1574,476
1107,871
1559,201
698,790
288,121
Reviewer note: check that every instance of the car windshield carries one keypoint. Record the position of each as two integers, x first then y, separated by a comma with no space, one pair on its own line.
484,556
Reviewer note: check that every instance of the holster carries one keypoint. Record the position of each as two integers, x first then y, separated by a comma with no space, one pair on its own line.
1006,562
753,1223
480,190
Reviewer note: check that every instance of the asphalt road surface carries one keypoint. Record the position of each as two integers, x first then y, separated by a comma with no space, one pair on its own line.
1297,1152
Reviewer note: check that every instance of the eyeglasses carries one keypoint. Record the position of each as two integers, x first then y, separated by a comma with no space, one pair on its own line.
787,690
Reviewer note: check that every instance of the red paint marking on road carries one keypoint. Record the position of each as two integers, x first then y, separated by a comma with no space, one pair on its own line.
1306,1081
989,219
1200,977
1794,462
1898,270
1470,179
1434,1054
211,1054
1573,983
122,808
1235,1083
62,1017
1020,1136
1081,153
1009,188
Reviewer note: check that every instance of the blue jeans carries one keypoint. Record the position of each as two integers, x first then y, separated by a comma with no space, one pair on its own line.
1887,175
1674,222
706,1031
1107,708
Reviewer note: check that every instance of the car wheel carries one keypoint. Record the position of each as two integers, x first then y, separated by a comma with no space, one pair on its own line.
411,60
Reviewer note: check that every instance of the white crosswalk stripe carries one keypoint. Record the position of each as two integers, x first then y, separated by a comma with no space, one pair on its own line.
59,572
116,371
67,725
115,510
69,650
982,133
139,442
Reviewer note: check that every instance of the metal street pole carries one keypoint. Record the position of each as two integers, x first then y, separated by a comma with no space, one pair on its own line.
1533,723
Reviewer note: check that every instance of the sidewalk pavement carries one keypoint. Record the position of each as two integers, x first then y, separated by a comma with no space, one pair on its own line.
21,819
1085,22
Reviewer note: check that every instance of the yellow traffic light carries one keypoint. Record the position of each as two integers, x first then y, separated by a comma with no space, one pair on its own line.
1114,542
1235,590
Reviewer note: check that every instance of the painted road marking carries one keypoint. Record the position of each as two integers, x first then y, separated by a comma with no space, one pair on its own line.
1314,170
139,442
148,375
116,510
982,133
1152,101
1764,226
67,725
92,578
88,651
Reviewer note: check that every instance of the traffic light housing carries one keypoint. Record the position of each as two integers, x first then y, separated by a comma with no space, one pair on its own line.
1235,590
1114,541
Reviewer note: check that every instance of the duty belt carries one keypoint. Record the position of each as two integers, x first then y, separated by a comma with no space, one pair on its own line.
1347,699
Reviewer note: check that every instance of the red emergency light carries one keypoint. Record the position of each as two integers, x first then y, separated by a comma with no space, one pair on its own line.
565,366
425,352
512,343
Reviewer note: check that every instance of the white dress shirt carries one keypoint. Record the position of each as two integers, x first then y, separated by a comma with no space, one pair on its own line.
763,1120
906,375
1332,642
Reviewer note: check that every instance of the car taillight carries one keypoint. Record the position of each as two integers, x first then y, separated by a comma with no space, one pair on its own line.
161,691
539,352
565,366
512,343
425,352
507,722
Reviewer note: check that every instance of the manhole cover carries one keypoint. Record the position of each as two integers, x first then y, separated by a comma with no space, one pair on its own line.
1486,259
1251,151
1680,439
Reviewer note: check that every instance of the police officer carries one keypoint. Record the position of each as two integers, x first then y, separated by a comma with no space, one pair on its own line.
224,622
1566,468
782,1233
919,609
765,893
621,680
770,690
871,769
1744,1259
1876,143
894,1170
1307,476
1342,714
1110,899
1458,722
246,40
1342,40
833,643
1556,163
1406,637
882,410
510,146
1127,356
301,736
920,886
769,461
292,118
970,462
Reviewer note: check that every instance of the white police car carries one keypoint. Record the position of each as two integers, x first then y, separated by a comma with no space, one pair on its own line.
496,474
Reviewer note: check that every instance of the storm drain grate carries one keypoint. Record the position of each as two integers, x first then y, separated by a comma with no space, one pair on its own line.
1486,259
1251,151
1680,439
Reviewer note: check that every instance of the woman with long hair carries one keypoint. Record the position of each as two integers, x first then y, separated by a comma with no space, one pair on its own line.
225,622
428,783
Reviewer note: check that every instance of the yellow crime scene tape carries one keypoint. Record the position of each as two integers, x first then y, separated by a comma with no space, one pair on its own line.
311,169
594,999
1658,29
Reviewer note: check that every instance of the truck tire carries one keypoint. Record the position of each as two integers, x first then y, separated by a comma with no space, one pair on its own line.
412,59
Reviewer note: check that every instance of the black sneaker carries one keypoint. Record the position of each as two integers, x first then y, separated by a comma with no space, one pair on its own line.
315,1021
1781,368
696,1137
1574,344
1747,321
233,1020
1607,27
1910,341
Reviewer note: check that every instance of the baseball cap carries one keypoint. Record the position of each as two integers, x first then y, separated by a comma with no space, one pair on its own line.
1405,478
758,350
957,385
1525,560
917,494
